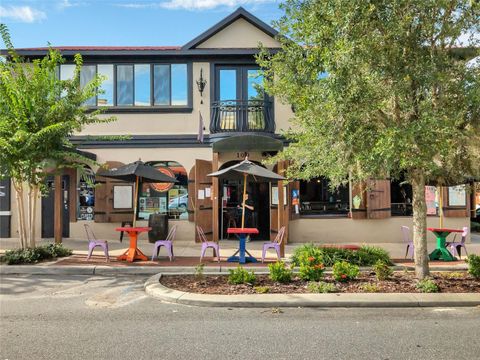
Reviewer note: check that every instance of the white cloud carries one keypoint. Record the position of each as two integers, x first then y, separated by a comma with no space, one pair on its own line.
65,4
192,4
22,14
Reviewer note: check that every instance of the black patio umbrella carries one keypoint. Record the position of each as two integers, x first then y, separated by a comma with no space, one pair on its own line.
133,173
243,170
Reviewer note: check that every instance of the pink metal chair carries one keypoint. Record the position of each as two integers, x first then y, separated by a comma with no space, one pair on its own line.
454,246
93,243
168,243
408,241
207,244
275,244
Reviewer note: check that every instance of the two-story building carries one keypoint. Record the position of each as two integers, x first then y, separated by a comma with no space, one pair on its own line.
194,109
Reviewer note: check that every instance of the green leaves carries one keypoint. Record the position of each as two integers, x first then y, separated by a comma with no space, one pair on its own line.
397,97
39,113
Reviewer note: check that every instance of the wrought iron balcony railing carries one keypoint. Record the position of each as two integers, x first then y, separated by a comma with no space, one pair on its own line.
242,116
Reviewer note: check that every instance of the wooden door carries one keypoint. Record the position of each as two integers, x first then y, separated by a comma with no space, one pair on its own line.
378,199
104,210
203,213
48,208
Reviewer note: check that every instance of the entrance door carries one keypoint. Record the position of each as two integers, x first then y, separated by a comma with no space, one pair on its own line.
48,208
240,101
202,198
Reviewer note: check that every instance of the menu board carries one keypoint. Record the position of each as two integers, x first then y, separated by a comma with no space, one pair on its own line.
457,196
430,199
122,197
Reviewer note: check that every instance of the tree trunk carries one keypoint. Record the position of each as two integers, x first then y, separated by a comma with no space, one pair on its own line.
21,214
420,225
32,208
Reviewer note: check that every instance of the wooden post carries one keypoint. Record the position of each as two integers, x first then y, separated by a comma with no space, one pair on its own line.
215,196
135,203
58,210
280,205
243,200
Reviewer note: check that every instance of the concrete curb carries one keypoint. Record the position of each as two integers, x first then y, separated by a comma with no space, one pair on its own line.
154,288
52,269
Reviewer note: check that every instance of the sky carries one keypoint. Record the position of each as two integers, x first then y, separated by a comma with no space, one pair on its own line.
34,23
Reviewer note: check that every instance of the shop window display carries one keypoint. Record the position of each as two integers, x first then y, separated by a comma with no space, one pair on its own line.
165,198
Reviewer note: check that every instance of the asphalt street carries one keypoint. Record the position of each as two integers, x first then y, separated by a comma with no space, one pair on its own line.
93,317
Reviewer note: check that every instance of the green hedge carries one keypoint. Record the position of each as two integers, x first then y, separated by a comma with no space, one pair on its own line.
365,256
34,255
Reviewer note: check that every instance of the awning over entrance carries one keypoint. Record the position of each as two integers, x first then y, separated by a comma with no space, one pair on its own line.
247,142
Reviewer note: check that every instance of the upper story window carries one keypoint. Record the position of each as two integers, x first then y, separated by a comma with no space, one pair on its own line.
130,86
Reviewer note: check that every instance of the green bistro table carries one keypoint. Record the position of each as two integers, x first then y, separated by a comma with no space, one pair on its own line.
441,252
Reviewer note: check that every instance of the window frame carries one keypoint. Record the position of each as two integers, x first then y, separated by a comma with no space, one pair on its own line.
152,108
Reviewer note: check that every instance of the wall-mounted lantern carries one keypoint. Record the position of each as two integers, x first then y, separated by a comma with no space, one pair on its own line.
201,83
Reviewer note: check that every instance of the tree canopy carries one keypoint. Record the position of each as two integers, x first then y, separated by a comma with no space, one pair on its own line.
379,88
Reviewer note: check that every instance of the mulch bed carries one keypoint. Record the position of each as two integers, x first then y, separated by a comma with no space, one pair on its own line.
401,282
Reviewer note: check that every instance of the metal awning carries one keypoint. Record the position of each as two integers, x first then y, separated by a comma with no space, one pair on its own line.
247,142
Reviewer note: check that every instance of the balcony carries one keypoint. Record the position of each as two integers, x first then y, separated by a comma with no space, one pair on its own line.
242,116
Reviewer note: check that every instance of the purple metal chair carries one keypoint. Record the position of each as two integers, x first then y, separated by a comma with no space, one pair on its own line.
275,244
93,243
207,244
454,246
408,241
168,243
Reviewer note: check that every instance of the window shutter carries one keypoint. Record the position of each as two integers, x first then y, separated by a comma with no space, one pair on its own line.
454,211
104,211
378,199
359,202
191,195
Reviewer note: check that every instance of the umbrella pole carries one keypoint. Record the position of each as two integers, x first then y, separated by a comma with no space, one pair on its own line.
243,201
440,205
135,202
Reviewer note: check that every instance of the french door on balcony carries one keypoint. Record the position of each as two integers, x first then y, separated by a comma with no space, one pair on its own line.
240,104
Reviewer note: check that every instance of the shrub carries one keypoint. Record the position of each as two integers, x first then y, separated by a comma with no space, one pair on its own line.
382,270
343,271
261,289
365,256
199,272
370,288
280,273
474,265
241,276
427,286
369,255
303,252
34,255
321,287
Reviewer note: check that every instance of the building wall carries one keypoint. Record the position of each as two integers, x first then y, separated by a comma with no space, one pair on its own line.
346,230
239,35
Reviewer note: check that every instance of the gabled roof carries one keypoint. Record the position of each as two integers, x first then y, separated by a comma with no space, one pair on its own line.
240,13
102,48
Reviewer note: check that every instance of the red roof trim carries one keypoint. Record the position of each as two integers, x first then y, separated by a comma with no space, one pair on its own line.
103,48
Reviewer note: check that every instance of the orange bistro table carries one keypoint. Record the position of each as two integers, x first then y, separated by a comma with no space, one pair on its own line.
133,252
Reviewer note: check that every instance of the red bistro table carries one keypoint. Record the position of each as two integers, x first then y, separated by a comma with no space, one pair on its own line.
441,252
133,252
242,234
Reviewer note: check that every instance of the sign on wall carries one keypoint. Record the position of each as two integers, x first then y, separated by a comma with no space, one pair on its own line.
430,199
457,195
122,197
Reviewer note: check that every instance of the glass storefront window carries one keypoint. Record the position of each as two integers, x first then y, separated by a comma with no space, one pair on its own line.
165,198
316,198
125,85
87,73
86,195
105,98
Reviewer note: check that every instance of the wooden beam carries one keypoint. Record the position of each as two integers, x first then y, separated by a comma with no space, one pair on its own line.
281,211
215,197
58,210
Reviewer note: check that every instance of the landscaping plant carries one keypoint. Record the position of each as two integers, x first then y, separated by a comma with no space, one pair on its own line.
303,252
34,255
199,272
427,286
343,271
382,270
370,288
474,265
311,267
279,272
381,90
261,289
38,114
321,287
241,276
